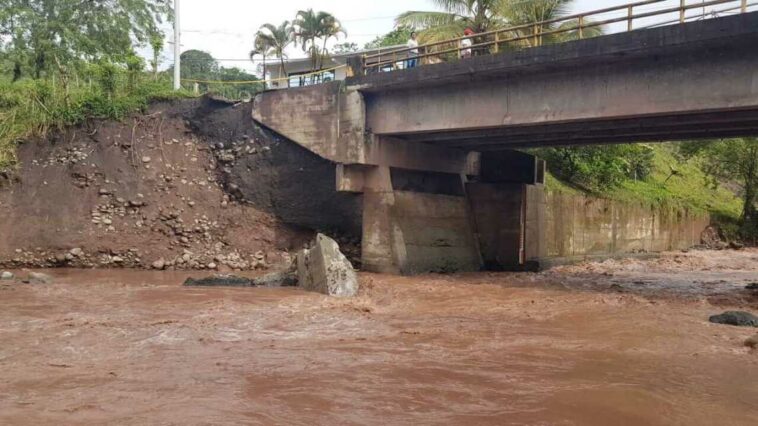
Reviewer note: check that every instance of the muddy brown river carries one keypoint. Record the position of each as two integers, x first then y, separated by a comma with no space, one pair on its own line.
619,342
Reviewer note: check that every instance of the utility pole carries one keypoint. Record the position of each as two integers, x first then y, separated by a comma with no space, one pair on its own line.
177,46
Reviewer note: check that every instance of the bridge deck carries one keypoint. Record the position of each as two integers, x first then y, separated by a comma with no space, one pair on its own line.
694,80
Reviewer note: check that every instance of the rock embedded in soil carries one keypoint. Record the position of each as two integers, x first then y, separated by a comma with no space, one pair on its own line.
735,318
324,269
5,275
752,342
753,287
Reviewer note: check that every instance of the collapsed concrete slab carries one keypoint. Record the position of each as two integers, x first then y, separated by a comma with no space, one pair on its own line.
324,269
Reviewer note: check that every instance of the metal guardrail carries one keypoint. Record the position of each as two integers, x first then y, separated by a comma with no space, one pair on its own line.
533,35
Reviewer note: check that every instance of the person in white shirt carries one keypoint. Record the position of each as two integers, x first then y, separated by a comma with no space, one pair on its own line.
466,44
412,62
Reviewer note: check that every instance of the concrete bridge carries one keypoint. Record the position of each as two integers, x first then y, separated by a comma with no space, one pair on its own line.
430,147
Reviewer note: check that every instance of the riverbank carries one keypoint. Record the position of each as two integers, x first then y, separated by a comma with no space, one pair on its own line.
583,344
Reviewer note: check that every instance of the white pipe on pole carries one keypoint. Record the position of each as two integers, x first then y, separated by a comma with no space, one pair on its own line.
177,47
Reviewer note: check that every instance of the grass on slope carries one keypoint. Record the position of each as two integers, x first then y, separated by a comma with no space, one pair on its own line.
33,107
687,188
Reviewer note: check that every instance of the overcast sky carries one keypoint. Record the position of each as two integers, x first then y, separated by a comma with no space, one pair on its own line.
225,28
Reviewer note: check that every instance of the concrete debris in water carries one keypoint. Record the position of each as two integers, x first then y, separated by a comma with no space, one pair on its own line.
38,278
324,269
220,281
736,318
276,279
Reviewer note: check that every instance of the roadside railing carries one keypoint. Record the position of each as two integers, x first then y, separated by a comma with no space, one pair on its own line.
573,27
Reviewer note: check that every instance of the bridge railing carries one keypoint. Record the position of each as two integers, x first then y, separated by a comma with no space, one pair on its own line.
573,27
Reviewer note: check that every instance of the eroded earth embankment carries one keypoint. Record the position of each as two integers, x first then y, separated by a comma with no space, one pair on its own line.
193,184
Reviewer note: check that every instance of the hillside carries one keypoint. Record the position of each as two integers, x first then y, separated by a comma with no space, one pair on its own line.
188,184
673,182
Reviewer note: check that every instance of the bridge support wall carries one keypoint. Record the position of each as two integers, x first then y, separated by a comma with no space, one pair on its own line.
406,231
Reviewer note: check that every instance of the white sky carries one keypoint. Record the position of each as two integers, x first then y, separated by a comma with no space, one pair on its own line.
225,28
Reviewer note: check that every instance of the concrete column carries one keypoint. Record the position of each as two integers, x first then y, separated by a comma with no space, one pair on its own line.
379,246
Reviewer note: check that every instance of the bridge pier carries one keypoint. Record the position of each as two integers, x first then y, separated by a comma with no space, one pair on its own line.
416,222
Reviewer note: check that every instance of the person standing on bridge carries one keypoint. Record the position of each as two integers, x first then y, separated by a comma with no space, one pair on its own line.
412,62
466,44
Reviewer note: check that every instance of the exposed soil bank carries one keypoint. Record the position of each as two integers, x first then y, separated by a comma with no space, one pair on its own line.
563,347
190,185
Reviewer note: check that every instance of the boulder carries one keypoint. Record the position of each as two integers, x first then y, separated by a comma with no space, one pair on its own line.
324,269
736,318
5,275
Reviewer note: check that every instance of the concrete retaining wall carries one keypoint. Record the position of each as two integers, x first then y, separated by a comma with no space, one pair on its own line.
579,226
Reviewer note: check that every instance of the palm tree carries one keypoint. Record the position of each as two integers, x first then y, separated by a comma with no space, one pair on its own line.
488,15
311,26
331,27
308,26
519,12
277,39
457,15
261,47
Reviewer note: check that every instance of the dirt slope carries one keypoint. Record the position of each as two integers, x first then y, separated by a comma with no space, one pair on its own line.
144,192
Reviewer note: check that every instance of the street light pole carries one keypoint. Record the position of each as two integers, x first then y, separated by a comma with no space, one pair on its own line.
177,46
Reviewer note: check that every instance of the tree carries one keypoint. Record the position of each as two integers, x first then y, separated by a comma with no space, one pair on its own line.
399,36
307,30
518,13
330,27
310,27
457,15
275,40
345,48
51,34
157,44
198,65
487,15
261,48
236,91
733,160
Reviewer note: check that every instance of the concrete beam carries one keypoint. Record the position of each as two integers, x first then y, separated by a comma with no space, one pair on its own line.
330,122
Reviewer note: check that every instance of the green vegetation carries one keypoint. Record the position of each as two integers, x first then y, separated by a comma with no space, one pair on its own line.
397,37
488,15
64,61
595,167
43,37
666,177
31,108
734,160
313,30
203,67
273,40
